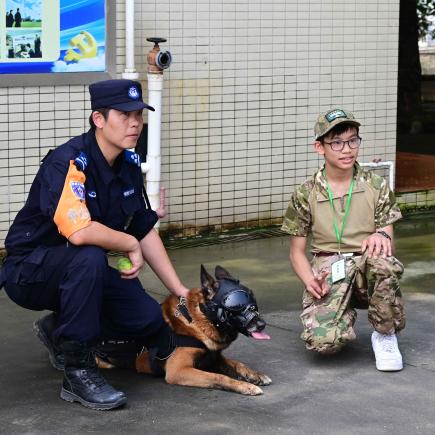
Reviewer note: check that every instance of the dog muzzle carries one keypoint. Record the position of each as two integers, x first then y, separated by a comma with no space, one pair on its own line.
233,306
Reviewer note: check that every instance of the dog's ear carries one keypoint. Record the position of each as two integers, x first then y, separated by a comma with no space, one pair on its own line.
208,283
221,273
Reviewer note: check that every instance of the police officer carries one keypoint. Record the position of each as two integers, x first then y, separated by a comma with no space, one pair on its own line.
87,198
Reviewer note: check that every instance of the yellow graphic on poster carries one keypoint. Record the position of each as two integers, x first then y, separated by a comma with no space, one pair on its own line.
30,31
86,47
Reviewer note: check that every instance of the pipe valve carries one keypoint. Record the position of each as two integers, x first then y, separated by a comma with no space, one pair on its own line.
158,60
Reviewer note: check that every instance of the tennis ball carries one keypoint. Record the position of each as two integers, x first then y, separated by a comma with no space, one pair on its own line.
124,263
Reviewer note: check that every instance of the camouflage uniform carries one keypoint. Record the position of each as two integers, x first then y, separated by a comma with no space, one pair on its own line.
369,283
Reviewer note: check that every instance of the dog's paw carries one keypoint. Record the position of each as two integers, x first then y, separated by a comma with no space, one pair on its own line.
258,379
264,380
252,390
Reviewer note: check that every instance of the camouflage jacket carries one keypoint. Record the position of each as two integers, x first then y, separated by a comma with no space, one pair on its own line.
372,206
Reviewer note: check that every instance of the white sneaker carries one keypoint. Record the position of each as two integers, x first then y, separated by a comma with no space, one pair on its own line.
387,353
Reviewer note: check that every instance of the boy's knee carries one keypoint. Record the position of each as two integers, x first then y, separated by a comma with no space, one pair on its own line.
327,341
323,346
389,267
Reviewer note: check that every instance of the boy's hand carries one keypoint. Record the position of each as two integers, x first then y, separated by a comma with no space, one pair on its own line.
318,286
376,244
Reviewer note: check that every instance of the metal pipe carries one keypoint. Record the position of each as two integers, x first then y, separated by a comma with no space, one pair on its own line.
157,62
130,70
387,164
155,87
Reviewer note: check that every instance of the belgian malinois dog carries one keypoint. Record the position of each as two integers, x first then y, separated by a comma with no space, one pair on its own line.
205,323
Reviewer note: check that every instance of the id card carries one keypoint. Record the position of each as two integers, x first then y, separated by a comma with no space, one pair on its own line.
338,270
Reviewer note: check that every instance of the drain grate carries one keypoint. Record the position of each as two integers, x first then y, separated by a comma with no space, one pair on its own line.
193,242
230,237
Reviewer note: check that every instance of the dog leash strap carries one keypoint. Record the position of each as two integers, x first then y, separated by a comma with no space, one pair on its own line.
181,308
188,341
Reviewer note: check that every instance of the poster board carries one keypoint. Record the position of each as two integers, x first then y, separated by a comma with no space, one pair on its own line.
54,41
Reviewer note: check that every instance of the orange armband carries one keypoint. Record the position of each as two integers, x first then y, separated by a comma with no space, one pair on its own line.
71,212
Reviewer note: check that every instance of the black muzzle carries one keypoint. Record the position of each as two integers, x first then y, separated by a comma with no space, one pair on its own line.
234,306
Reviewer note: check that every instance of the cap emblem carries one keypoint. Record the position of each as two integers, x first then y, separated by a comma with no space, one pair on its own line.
133,93
334,115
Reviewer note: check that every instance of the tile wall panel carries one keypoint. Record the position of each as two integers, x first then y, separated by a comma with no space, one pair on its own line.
247,81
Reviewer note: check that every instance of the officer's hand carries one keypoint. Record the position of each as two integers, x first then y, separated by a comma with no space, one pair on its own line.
181,290
377,245
137,261
318,286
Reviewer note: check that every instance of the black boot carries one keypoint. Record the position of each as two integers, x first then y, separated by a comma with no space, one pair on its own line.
83,383
44,328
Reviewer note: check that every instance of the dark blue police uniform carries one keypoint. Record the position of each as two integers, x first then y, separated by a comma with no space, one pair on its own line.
43,271
74,187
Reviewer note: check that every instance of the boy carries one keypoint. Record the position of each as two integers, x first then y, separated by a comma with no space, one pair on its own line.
349,213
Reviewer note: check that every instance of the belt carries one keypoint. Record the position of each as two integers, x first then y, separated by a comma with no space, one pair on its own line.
328,254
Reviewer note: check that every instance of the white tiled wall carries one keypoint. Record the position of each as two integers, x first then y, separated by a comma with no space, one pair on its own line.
248,80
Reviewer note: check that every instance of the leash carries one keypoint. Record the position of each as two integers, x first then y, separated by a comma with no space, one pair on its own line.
182,309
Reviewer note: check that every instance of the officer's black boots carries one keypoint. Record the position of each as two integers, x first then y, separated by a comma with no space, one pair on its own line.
44,328
83,383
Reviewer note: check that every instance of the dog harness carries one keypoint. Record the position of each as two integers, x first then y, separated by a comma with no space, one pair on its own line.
123,353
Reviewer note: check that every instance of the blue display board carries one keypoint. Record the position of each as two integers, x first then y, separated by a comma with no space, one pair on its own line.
52,36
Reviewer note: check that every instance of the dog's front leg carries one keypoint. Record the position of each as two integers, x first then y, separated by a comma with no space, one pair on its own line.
180,370
238,370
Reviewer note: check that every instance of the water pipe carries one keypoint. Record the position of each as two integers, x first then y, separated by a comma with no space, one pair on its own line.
387,164
130,70
157,62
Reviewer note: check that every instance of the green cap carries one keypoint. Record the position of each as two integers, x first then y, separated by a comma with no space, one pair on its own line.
327,121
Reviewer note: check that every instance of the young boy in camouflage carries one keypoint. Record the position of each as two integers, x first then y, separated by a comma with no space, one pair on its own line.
349,214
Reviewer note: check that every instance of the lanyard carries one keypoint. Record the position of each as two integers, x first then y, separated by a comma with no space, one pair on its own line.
339,234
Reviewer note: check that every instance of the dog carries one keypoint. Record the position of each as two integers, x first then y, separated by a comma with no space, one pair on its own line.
205,323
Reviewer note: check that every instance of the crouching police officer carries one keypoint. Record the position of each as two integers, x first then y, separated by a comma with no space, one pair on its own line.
87,198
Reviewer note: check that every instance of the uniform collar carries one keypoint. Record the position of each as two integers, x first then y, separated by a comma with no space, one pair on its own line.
322,190
106,172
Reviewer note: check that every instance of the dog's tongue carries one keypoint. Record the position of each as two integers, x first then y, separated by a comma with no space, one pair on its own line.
260,336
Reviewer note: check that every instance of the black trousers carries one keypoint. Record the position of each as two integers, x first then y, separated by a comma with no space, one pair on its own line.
90,297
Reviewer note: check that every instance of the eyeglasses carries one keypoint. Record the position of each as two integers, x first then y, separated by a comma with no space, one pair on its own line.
338,145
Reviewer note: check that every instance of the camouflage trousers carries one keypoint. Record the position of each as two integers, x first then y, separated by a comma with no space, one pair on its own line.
371,284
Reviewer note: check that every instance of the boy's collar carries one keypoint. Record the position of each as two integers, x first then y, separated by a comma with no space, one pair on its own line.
320,181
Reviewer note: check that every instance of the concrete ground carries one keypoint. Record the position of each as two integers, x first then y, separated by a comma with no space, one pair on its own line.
341,394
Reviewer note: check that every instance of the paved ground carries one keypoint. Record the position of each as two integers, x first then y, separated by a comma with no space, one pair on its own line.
343,394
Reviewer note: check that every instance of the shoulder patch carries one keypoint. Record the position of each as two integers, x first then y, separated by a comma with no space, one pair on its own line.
132,158
78,189
81,162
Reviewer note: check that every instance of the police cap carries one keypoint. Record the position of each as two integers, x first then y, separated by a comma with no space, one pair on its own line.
120,94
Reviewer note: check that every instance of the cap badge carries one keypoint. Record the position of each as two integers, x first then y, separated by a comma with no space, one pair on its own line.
133,93
330,116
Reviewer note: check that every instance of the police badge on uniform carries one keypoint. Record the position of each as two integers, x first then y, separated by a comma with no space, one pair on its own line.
78,190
